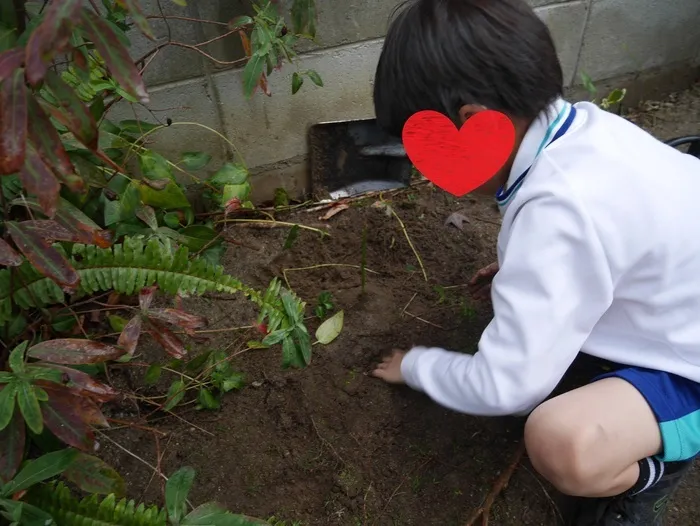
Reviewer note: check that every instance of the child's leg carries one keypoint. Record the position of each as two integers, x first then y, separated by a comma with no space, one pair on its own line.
588,442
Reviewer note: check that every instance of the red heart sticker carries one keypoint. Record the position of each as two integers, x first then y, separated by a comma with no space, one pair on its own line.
458,161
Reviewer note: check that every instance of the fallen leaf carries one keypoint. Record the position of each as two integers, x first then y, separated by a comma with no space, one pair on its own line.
457,220
331,328
333,211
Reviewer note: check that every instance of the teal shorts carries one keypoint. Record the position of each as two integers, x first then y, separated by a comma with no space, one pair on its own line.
676,403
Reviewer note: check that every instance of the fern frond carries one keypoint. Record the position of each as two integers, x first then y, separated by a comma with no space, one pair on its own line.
125,268
67,510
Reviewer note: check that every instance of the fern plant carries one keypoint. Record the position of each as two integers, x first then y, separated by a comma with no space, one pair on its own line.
56,500
136,263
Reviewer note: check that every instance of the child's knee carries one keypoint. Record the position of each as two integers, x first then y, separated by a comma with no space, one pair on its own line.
561,449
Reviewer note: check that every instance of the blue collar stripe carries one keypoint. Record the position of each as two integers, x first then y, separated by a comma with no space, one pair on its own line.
504,196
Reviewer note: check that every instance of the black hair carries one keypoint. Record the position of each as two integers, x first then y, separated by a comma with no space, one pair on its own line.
442,54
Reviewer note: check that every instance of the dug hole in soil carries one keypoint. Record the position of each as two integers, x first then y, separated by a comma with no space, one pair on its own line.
329,444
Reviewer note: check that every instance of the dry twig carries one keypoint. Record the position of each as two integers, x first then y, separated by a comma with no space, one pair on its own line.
498,486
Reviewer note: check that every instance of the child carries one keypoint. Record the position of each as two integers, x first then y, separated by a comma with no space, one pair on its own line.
599,252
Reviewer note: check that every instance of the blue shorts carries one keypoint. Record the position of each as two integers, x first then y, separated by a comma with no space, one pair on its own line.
676,403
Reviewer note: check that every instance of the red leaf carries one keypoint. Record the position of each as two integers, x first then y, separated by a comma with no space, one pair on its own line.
129,337
74,114
146,297
63,420
84,229
46,259
13,122
94,476
40,180
10,60
73,351
50,37
8,256
84,383
167,339
51,231
180,318
47,142
68,416
115,55
134,7
12,439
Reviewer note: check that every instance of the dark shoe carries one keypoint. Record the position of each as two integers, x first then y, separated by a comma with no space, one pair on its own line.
644,509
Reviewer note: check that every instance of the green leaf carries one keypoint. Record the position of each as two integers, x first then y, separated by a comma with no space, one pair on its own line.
195,160
43,468
175,395
304,17
172,196
16,360
291,237
7,404
229,174
315,77
116,56
194,237
275,337
172,219
29,406
239,22
26,514
616,96
252,73
297,82
236,191
331,328
176,490
12,438
588,84
155,166
213,514
117,323
291,357
207,400
95,476
152,374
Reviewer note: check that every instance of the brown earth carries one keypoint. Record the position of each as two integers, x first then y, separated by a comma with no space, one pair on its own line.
329,445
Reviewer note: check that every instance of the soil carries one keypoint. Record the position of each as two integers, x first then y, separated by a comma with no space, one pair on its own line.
329,445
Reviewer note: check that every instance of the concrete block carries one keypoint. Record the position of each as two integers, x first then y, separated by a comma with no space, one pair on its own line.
566,22
271,129
625,36
171,63
187,101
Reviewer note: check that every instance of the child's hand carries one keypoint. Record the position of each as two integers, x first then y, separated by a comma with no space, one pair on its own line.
390,369
480,284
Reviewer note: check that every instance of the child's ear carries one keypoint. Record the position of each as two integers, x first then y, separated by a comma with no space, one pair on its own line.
468,110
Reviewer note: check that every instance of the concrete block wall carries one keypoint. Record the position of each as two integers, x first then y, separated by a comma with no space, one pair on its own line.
607,39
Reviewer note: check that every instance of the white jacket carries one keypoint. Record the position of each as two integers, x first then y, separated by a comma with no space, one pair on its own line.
599,252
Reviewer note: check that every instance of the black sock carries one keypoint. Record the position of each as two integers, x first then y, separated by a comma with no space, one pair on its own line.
651,470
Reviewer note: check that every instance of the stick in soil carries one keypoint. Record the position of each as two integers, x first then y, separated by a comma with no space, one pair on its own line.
498,486
410,243
363,261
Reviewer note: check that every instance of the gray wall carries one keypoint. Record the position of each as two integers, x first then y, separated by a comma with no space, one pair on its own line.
604,38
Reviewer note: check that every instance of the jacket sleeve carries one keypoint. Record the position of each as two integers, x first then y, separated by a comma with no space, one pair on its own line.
553,286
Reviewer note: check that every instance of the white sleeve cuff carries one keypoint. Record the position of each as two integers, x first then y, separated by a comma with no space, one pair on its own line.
408,367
